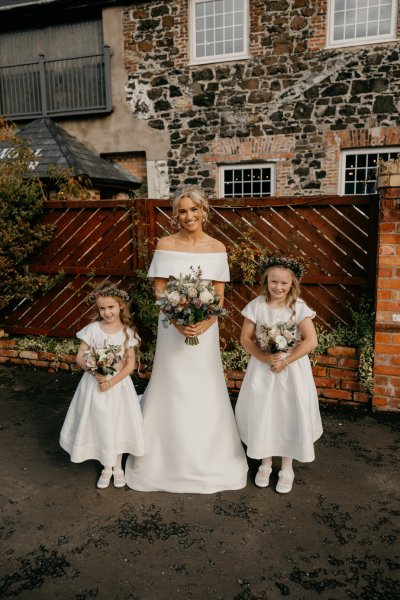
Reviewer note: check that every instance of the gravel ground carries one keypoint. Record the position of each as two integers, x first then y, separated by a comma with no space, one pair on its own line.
336,535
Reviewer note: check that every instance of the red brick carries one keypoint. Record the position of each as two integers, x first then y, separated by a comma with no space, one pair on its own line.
387,369
319,371
322,359
383,338
394,404
350,385
351,363
393,238
7,343
39,363
341,351
323,382
387,349
342,373
379,401
4,359
384,295
9,353
361,396
29,354
339,394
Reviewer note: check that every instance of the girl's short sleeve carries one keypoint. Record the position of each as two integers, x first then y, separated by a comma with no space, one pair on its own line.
303,311
250,310
86,334
133,339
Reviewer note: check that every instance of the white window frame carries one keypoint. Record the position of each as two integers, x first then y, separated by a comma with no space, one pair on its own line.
367,39
251,165
358,151
244,54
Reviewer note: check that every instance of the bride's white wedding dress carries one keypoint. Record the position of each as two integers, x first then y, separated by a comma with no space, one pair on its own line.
191,439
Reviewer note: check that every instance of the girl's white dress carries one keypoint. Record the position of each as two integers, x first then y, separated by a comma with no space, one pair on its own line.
100,425
191,437
278,413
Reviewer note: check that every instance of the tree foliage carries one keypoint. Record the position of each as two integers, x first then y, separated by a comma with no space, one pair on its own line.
21,232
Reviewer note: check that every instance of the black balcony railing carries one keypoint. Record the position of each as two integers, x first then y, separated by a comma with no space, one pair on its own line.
56,87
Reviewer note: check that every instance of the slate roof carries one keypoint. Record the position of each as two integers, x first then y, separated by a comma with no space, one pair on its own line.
54,146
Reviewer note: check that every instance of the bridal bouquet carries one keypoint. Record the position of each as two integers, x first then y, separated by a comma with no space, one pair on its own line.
278,338
188,300
103,360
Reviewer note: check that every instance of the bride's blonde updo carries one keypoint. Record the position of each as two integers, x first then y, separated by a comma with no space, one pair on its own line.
194,193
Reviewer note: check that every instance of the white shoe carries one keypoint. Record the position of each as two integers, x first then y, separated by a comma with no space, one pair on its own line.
262,476
285,482
119,478
104,479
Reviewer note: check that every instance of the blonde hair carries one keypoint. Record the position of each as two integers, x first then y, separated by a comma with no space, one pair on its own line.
104,290
196,194
294,290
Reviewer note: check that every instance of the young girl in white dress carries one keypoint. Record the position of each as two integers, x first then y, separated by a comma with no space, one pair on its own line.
192,441
277,411
104,419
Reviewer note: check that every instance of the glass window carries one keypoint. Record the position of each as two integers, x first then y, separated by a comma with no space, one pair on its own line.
219,30
361,21
359,169
247,181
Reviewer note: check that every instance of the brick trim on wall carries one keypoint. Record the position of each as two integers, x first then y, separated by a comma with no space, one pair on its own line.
335,373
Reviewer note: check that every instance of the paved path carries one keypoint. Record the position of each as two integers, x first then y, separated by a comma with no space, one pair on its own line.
336,536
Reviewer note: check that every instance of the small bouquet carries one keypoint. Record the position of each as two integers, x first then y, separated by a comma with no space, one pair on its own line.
188,300
278,338
103,360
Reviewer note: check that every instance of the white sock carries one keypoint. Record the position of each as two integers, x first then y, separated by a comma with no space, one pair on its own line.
118,463
287,464
266,463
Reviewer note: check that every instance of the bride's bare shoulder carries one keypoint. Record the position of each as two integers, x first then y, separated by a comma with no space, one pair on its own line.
217,246
166,243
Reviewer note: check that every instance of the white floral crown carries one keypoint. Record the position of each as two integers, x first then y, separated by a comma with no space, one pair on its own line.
108,291
297,265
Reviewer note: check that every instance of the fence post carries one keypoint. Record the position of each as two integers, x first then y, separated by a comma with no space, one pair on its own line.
387,321
43,90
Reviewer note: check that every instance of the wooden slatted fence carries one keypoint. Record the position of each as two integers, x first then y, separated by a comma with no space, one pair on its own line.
110,239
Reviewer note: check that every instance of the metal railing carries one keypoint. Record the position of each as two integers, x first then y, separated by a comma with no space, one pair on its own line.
56,87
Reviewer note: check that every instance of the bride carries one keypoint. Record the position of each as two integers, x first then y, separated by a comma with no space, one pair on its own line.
191,440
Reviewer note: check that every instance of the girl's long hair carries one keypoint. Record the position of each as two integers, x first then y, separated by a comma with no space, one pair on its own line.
293,293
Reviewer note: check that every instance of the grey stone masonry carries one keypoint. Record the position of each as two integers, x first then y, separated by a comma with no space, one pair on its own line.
286,103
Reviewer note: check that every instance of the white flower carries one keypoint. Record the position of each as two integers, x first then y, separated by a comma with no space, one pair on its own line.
288,334
173,298
274,331
90,362
206,297
192,292
281,342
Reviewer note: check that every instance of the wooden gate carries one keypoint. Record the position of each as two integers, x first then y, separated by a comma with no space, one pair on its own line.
110,239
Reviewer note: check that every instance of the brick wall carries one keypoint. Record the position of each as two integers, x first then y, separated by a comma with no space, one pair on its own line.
387,325
335,373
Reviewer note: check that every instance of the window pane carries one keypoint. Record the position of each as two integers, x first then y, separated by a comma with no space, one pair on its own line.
238,46
349,31
384,27
248,181
229,47
219,48
361,18
338,33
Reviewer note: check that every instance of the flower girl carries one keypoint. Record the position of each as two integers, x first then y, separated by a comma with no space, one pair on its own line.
104,419
277,411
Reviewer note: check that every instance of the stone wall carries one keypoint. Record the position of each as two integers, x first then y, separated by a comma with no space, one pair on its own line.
293,102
